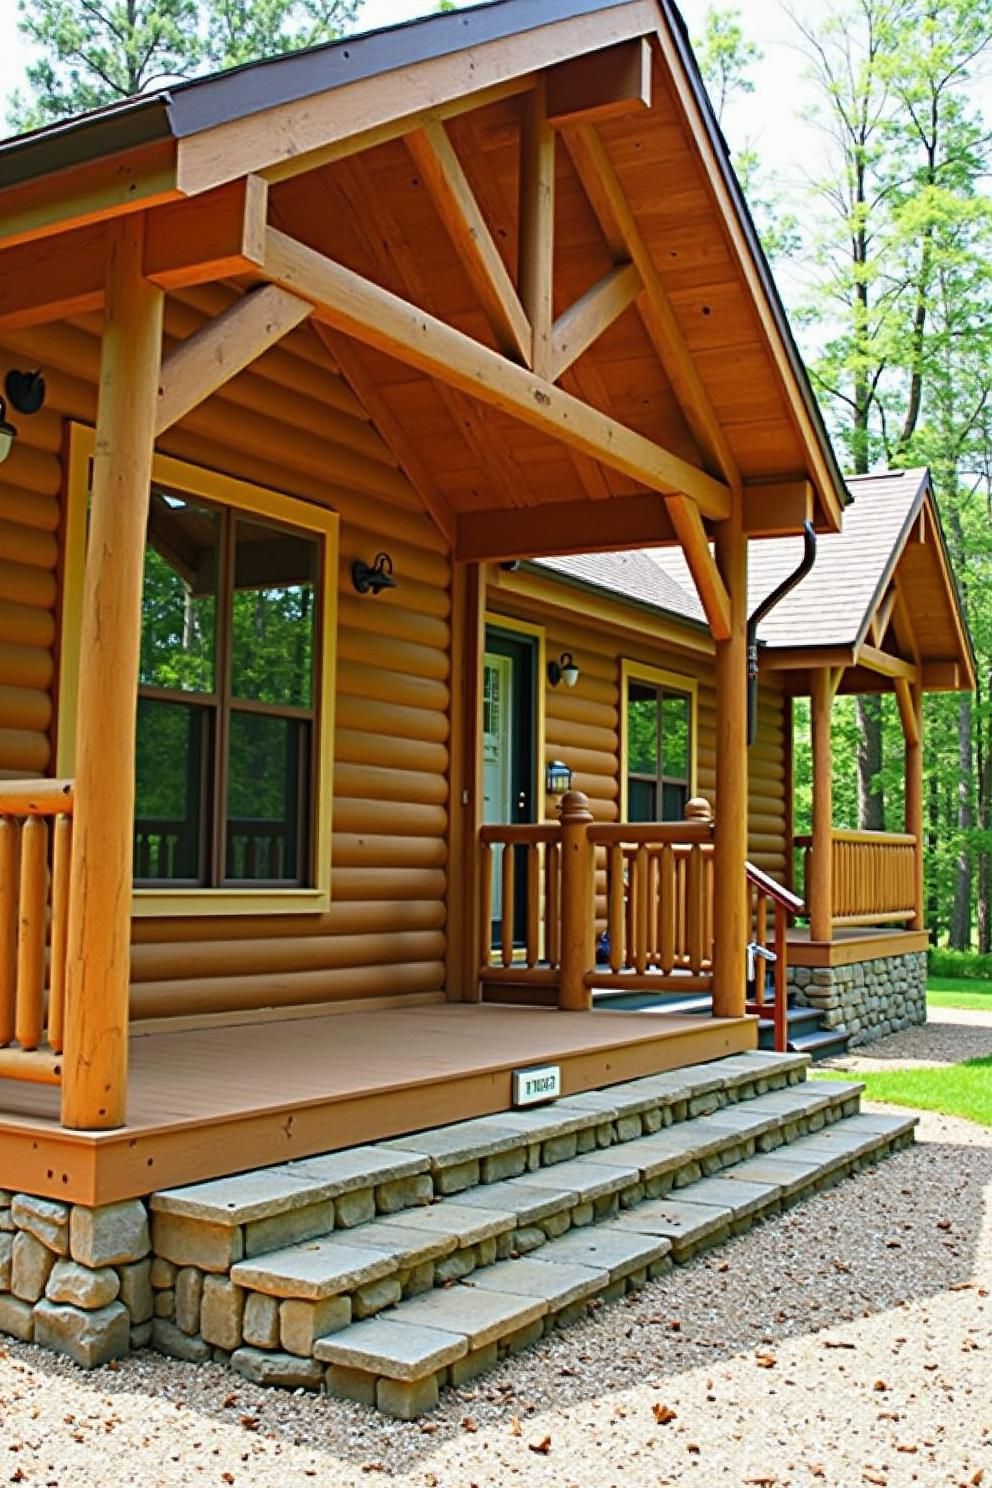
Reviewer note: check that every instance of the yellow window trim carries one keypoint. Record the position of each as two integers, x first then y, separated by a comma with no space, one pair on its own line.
537,633
224,490
636,671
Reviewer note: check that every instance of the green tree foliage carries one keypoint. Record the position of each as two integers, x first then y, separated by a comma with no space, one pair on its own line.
95,52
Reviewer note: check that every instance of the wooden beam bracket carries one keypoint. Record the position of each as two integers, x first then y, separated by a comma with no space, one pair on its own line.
585,321
710,587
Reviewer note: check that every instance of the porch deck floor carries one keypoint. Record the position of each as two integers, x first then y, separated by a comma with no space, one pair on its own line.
220,1099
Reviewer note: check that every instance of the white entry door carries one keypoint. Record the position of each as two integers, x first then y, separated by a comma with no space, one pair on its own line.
497,754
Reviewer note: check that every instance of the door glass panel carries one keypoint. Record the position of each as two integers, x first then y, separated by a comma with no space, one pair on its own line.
674,800
268,763
642,730
171,760
273,618
675,735
179,598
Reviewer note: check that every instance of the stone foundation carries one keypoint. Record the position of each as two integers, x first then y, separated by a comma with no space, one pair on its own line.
867,999
73,1279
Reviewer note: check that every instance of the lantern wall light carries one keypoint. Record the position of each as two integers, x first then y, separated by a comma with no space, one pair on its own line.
557,778
372,578
563,670
8,432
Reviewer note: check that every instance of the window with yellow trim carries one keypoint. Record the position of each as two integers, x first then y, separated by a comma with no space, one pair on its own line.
658,744
235,695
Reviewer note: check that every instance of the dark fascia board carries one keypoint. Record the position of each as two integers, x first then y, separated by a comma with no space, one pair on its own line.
683,45
190,107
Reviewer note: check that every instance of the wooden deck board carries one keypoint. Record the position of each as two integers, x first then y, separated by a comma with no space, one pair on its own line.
214,1100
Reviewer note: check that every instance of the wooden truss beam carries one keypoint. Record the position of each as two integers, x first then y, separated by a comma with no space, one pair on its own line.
442,174
710,587
882,617
213,237
223,348
906,698
623,236
537,226
888,665
82,194
561,527
585,321
349,303
602,85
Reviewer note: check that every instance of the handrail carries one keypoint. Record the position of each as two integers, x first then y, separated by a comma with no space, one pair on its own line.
609,834
23,798
871,876
869,839
774,890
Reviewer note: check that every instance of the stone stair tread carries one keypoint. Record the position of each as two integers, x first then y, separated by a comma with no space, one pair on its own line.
790,1171
740,1196
529,1202
314,1269
609,1246
482,1316
385,1345
679,1220
464,1141
586,1176
659,1153
559,1283
820,1039
452,1217
243,1197
407,1246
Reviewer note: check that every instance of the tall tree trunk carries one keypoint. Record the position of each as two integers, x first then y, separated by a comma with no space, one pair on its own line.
960,936
984,864
933,837
871,801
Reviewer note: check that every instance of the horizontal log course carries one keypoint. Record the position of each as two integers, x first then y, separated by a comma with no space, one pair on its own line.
388,752
181,998
262,957
420,788
24,750
25,665
21,584
378,684
379,716
25,708
373,917
385,652
394,620
29,509
32,469
397,818
388,883
27,545
377,850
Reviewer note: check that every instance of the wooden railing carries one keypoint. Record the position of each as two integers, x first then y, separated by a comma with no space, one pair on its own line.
532,853
770,898
873,876
35,858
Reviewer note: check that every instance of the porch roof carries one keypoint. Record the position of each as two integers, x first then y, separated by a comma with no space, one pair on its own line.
674,370
891,536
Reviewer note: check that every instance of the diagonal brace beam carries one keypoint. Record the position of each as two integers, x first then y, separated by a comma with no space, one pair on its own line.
442,173
389,324
702,565
584,322
223,348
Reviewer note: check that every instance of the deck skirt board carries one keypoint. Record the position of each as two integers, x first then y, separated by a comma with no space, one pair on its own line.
216,1100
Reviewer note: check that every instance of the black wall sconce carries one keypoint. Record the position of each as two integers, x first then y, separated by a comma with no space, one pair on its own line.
563,670
557,778
25,392
372,578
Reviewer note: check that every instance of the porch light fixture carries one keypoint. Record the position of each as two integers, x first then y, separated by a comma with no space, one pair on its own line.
25,390
372,578
563,670
8,432
557,778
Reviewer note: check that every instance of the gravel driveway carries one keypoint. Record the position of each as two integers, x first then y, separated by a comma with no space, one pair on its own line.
849,1343
949,1036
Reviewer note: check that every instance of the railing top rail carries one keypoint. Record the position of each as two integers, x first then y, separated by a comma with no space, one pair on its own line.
36,797
866,839
633,834
768,886
496,834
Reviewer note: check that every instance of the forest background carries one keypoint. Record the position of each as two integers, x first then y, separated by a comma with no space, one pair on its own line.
875,210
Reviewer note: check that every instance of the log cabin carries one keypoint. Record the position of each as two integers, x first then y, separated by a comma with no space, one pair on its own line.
319,374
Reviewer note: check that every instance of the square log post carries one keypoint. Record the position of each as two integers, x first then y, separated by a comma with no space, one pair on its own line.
914,804
732,920
578,903
94,1089
820,887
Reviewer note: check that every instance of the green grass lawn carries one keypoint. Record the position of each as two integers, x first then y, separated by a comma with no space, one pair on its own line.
960,992
954,1089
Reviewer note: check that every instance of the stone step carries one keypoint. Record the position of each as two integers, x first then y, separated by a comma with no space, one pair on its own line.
400,1361
213,1224
318,1286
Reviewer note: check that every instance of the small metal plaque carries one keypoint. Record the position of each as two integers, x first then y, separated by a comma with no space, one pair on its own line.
540,1083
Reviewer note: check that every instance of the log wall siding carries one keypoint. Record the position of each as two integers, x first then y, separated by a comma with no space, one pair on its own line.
583,723
292,424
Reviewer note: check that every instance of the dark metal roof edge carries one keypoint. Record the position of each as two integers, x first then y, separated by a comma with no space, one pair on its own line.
197,104
687,56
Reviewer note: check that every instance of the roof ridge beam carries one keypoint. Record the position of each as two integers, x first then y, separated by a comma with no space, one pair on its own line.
384,321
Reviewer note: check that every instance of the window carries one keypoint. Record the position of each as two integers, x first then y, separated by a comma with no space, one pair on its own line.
235,694
659,744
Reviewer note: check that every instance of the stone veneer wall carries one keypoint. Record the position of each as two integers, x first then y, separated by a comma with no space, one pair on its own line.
74,1279
867,999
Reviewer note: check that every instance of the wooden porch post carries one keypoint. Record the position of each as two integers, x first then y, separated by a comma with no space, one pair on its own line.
468,605
578,905
731,923
820,888
94,1089
914,804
